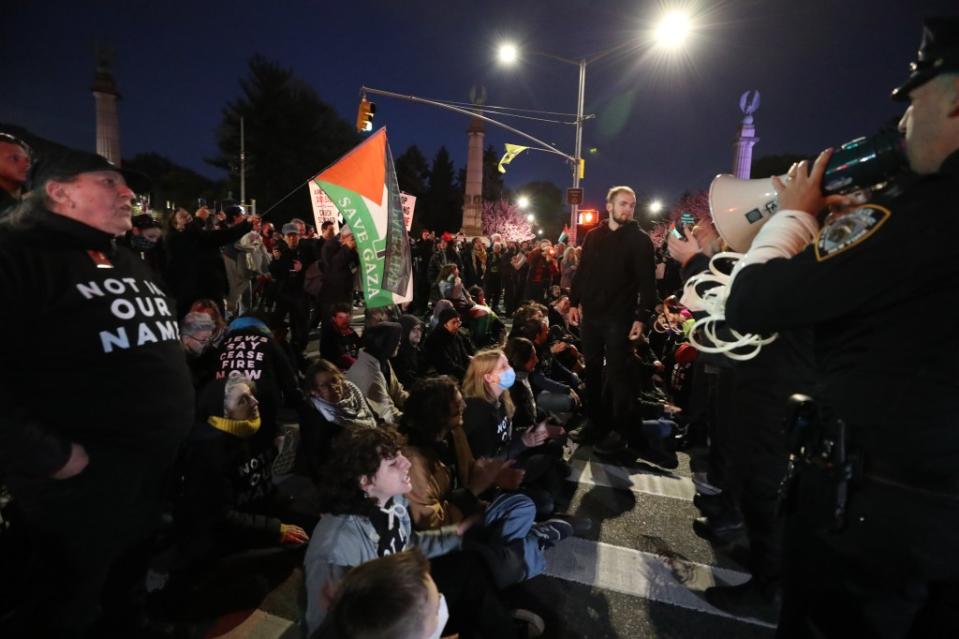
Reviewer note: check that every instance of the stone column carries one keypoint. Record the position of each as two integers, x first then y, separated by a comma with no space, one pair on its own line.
746,138
105,96
473,198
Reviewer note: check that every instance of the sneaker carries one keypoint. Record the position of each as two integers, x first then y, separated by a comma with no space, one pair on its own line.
750,599
552,531
581,525
612,444
527,624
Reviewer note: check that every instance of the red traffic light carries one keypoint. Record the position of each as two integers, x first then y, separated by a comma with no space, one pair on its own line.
588,217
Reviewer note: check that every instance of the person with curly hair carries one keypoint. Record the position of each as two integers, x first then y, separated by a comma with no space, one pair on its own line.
368,517
449,485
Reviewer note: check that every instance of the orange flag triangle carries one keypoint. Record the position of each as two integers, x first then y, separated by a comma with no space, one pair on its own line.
362,170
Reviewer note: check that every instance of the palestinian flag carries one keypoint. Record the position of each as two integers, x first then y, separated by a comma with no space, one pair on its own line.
363,186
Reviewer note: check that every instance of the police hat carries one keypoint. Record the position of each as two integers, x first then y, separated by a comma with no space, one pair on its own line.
65,164
938,53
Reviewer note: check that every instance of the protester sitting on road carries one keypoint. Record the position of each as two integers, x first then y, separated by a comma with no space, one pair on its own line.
228,504
196,332
362,491
452,288
406,363
446,350
486,328
333,404
387,598
251,349
373,374
339,343
448,484
210,308
487,422
553,394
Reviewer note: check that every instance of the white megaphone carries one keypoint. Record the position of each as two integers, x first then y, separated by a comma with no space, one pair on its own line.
740,207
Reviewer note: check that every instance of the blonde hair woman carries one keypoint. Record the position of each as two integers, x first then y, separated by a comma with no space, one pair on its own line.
487,419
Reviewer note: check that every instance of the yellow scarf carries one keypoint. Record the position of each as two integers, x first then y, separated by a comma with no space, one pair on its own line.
242,428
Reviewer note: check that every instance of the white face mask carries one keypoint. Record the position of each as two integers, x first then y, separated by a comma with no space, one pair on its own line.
444,616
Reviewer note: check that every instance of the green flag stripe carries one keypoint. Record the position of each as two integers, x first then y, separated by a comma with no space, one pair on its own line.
369,244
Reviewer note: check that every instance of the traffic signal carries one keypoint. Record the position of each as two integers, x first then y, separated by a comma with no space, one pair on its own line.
588,217
364,115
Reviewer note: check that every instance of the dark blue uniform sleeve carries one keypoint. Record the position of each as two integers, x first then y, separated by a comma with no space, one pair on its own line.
816,286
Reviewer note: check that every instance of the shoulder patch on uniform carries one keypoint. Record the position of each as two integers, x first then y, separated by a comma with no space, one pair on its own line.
849,229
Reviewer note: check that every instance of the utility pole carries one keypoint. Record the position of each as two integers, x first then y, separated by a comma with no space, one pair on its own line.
242,162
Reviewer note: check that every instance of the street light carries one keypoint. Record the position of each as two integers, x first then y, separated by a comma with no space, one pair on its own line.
672,30
656,207
670,34
530,217
522,202
507,53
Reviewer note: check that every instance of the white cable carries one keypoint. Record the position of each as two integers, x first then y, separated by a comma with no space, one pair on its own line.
786,234
713,302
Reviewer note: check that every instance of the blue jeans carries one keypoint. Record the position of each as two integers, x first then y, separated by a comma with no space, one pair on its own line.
510,517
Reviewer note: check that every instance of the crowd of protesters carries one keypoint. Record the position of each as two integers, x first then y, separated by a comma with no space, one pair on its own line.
438,428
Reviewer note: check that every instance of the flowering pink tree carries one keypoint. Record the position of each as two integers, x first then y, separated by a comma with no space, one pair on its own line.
507,220
696,203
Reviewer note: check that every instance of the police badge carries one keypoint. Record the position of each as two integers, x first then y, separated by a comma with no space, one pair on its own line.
844,231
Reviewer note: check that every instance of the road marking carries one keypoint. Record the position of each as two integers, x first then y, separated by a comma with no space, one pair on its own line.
259,625
598,474
641,574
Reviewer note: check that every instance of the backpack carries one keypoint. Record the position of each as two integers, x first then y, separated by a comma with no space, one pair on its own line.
313,279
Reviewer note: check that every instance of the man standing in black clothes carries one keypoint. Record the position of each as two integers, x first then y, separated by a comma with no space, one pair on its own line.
613,295
96,409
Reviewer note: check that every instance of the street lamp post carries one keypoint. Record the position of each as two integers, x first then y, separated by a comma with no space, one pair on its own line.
578,152
670,33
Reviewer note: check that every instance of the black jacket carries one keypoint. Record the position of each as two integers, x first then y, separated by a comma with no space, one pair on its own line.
195,265
226,488
862,299
617,274
91,353
339,264
448,353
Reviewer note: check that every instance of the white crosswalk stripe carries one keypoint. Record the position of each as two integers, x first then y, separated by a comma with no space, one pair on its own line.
598,474
599,564
641,574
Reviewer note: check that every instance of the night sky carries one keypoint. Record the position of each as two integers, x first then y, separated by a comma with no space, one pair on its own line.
663,125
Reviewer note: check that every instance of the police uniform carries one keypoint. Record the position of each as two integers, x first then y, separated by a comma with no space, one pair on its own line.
872,278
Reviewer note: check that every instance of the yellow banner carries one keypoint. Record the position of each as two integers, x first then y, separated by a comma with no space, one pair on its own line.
512,150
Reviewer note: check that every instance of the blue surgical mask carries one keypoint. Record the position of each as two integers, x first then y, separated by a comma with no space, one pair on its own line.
507,378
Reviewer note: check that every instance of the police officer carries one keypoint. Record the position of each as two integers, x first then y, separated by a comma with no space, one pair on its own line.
884,565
